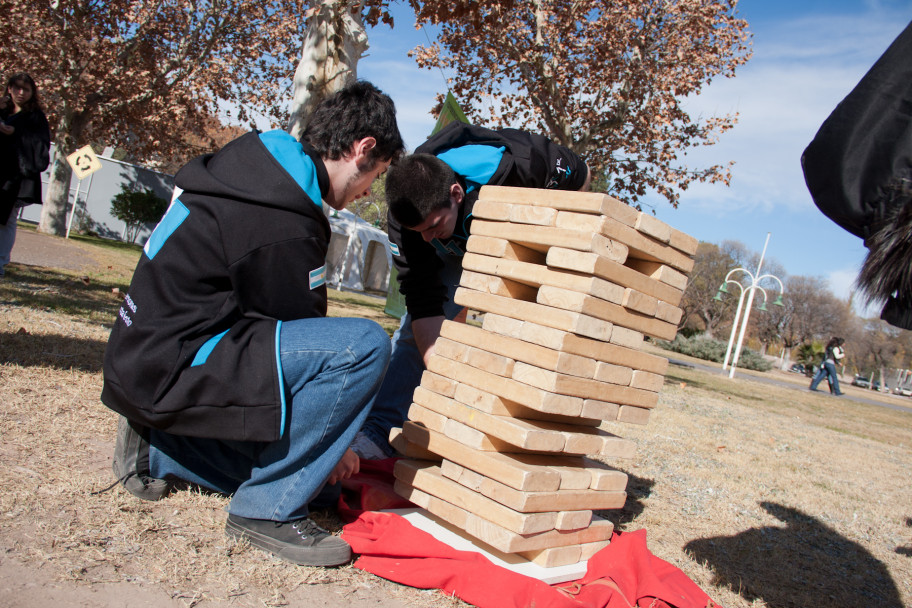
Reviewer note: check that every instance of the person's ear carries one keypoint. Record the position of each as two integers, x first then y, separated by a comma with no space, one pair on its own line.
361,149
456,194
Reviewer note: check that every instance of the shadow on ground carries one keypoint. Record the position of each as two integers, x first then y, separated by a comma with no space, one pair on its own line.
804,563
638,489
48,350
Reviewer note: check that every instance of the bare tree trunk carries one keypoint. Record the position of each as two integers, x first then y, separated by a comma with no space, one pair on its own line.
335,41
54,209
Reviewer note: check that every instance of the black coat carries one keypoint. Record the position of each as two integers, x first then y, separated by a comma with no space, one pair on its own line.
23,156
241,249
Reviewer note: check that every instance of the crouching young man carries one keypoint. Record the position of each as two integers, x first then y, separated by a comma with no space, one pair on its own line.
222,362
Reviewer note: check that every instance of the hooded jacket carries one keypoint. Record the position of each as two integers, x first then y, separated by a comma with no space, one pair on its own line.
478,156
242,248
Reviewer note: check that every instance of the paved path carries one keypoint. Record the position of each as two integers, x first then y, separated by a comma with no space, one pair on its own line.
36,249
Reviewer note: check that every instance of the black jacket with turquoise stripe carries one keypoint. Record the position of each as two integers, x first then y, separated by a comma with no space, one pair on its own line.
194,350
478,156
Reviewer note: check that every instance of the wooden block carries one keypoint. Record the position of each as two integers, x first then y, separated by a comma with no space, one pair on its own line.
476,439
408,449
427,418
504,468
573,474
652,226
541,238
539,216
509,389
491,210
502,248
584,261
568,342
624,336
669,313
499,286
536,275
602,410
441,508
639,245
439,384
476,357
514,431
582,202
639,302
584,388
683,242
647,381
614,374
427,478
588,550
660,272
554,556
536,502
519,350
633,415
548,316
573,520
490,403
596,307
603,477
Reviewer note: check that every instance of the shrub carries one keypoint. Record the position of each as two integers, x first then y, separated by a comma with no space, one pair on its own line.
137,208
710,349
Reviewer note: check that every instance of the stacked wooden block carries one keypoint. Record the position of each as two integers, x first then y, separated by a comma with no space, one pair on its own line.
507,413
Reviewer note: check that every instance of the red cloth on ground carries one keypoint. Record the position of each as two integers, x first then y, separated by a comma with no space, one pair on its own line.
621,575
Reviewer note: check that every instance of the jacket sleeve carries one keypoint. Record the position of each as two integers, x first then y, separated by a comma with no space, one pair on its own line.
418,269
34,144
538,162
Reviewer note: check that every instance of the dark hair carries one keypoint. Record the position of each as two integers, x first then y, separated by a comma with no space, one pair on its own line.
834,342
349,115
417,186
21,78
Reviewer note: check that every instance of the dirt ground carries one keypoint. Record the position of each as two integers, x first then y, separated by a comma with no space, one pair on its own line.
765,495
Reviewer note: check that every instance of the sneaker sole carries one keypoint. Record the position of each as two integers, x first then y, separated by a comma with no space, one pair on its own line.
302,556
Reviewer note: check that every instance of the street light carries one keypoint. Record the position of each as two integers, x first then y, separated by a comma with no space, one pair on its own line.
746,290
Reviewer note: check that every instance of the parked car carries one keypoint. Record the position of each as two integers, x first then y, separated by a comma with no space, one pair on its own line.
862,381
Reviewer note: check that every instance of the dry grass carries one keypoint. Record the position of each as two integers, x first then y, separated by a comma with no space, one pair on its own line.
765,496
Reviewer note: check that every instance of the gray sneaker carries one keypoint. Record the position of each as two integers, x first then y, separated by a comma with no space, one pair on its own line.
300,542
367,449
131,462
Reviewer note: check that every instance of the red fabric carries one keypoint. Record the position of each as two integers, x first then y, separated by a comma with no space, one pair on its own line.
621,575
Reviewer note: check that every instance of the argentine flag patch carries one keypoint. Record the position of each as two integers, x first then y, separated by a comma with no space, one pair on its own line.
394,248
317,277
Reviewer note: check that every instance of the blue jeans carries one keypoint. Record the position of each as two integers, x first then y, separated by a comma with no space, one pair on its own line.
390,406
827,369
331,369
8,238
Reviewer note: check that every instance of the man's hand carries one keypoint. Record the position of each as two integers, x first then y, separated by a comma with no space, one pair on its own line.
348,466
6,129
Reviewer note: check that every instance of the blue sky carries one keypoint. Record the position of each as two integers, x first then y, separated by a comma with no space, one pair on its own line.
808,54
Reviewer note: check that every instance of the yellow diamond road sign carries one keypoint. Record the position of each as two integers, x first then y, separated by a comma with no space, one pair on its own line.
84,162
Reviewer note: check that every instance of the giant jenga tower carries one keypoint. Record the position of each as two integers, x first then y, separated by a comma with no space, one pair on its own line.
507,413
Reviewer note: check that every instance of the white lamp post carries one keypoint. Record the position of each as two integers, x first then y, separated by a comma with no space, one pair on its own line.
746,290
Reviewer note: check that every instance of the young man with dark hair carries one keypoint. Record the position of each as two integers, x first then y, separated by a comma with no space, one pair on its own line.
431,195
222,362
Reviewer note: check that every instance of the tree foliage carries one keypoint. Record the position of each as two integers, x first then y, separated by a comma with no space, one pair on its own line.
137,208
606,79
142,74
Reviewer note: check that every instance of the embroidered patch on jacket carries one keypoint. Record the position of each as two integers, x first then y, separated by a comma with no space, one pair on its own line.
394,248
317,277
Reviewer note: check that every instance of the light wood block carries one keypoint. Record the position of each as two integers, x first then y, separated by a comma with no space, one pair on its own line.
502,248
514,431
427,418
582,202
591,306
498,286
588,550
660,272
536,275
584,261
653,227
584,388
476,439
498,537
548,316
476,357
573,474
509,389
539,216
613,374
518,350
439,384
669,313
541,238
427,478
683,242
491,403
603,477
647,381
491,210
554,556
573,520
602,410
633,415
408,449
639,302
534,502
507,469
629,338
639,245
568,342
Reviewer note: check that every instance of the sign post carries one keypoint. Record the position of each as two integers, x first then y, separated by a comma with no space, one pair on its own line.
84,163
